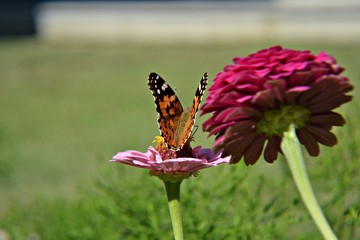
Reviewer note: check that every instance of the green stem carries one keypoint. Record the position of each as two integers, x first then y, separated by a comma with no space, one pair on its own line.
292,151
173,195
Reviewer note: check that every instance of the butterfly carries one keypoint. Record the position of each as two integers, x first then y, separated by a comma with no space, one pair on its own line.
175,123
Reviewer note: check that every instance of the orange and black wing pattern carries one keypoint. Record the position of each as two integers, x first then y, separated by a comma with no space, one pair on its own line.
175,124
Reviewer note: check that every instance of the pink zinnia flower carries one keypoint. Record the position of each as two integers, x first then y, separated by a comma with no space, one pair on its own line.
254,101
170,165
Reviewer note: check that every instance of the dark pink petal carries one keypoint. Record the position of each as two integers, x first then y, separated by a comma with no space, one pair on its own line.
321,135
324,96
221,127
243,101
219,142
240,128
263,72
301,78
230,114
323,57
264,100
272,148
330,118
293,94
292,66
238,144
230,99
278,89
254,150
308,141
238,114
209,124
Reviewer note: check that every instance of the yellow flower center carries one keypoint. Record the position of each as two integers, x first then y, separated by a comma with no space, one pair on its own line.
161,147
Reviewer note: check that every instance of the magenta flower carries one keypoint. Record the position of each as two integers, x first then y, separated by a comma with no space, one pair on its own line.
169,165
254,101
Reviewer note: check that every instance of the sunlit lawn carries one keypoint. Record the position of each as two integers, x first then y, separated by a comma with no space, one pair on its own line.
67,108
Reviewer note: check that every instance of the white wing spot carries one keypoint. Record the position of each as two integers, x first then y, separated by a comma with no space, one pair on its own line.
164,86
158,91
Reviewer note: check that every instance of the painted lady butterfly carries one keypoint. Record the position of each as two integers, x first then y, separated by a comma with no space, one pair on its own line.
175,124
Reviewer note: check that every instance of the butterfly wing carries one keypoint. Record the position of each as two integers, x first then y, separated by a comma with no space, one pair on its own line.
187,118
168,107
198,95
175,124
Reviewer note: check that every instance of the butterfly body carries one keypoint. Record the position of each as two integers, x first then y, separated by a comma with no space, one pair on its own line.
175,123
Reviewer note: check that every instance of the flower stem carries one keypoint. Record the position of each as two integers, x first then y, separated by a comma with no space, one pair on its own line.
173,195
291,148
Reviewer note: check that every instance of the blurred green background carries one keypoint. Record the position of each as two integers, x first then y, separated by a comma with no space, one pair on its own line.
67,107
73,93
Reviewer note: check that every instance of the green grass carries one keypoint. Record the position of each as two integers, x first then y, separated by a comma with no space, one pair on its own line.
67,108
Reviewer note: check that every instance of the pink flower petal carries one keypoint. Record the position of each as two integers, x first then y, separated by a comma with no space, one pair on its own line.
203,158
